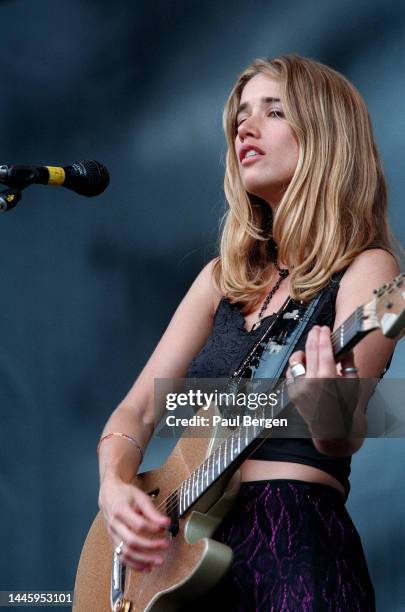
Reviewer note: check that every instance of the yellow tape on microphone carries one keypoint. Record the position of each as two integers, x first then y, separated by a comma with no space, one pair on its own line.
57,175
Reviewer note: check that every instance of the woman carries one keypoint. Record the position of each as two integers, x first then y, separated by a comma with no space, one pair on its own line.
307,211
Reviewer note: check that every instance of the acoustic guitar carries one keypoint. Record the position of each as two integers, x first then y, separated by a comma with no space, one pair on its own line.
196,487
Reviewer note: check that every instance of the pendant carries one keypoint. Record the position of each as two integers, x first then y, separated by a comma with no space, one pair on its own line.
255,325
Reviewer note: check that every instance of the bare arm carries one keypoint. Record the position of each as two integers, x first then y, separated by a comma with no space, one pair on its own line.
370,270
129,513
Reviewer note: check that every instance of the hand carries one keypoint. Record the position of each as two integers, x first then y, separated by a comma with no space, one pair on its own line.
132,518
324,398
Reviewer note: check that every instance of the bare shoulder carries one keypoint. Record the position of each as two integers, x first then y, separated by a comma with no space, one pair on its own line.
369,271
376,261
204,288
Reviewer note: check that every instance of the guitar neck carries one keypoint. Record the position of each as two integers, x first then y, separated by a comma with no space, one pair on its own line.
227,457
361,322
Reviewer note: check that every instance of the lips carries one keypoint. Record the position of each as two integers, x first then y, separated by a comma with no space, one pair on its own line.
246,148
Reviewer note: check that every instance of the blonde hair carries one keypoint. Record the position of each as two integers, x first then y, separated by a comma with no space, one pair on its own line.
336,203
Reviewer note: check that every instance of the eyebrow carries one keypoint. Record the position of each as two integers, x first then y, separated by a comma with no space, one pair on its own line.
263,101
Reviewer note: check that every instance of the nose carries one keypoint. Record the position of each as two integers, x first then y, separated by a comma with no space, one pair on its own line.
248,127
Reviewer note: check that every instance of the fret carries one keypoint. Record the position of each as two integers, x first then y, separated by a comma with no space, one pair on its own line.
346,332
192,486
196,481
213,467
201,476
188,491
216,463
181,500
184,495
195,485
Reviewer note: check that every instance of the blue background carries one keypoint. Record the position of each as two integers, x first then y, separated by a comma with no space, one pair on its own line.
88,286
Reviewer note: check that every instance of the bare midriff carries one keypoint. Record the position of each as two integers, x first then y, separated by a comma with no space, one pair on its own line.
256,469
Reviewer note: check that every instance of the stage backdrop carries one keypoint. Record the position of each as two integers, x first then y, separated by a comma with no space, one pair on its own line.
88,286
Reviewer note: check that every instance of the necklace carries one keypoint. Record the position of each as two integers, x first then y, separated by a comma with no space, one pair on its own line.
282,274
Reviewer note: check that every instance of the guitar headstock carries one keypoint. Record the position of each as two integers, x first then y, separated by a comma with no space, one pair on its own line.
389,307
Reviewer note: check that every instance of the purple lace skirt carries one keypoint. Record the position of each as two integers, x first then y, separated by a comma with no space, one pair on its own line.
295,549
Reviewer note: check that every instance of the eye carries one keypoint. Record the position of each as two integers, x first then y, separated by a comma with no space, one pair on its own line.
277,113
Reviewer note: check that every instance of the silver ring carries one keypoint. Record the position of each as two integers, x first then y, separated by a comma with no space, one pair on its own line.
118,549
349,370
297,369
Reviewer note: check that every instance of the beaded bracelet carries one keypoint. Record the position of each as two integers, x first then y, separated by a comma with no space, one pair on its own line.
122,435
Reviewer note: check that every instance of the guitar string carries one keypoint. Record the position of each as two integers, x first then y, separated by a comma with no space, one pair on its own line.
171,501
172,497
205,464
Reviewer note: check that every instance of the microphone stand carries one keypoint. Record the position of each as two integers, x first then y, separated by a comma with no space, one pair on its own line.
10,198
17,181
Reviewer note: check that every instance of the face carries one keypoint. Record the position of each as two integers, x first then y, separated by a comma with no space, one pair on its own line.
265,145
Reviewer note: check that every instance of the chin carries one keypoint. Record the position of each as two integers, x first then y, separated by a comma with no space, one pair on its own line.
259,191
270,194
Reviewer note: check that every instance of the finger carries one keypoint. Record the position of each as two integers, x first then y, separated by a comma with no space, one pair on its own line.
312,352
135,521
133,539
136,565
134,550
136,556
347,361
147,508
140,567
326,364
296,358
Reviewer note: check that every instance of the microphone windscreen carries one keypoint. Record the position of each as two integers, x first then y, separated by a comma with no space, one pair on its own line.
88,178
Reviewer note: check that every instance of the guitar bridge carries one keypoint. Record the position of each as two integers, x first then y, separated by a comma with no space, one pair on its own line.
117,601
122,605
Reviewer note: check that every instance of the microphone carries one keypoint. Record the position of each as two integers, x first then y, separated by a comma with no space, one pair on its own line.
88,177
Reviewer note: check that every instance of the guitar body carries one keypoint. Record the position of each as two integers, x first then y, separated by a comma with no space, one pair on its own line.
194,561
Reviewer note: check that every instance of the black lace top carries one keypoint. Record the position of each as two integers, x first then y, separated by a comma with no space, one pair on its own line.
226,347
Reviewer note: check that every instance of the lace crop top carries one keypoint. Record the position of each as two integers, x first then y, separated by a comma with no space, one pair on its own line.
228,344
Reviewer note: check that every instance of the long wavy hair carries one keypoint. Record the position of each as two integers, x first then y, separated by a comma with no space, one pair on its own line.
335,205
